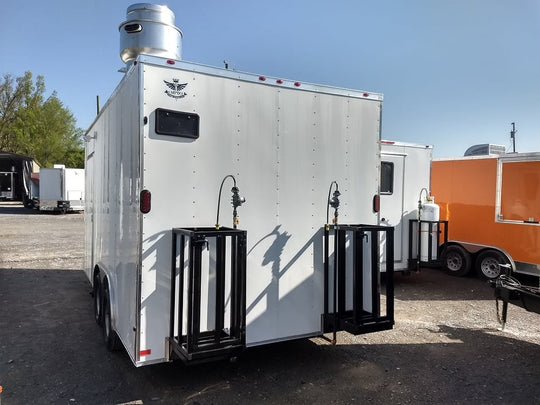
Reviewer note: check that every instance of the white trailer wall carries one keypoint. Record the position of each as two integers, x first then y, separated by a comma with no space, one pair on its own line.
74,188
284,146
50,188
112,217
411,174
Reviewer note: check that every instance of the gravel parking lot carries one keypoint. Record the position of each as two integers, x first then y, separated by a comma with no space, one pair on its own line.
445,348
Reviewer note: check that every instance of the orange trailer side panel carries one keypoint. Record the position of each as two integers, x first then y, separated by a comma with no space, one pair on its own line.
466,191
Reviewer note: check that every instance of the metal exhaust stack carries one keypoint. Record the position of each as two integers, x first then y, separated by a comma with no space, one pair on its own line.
149,29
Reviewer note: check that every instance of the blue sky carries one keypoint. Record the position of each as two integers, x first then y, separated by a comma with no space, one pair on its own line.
453,72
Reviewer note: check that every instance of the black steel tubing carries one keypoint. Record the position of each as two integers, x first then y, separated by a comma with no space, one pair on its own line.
173,284
358,276
375,290
221,256
326,269
181,287
334,298
235,305
341,272
242,277
390,274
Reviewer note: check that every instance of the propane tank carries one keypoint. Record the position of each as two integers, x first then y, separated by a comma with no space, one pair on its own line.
429,211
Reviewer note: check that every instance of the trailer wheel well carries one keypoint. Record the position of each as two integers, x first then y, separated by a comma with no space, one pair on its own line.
112,342
456,260
96,274
97,292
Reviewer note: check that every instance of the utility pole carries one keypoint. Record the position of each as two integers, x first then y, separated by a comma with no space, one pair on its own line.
513,136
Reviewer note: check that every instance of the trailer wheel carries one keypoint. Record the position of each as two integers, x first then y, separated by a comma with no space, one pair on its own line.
457,261
109,335
98,300
487,264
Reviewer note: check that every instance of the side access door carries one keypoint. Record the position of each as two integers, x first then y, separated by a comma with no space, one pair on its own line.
391,204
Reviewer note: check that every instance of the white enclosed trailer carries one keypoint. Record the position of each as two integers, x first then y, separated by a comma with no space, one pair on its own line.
169,281
405,180
61,189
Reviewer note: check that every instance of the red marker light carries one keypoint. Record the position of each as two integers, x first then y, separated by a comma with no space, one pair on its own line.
297,84
279,81
376,203
366,94
146,201
145,352
171,62
262,78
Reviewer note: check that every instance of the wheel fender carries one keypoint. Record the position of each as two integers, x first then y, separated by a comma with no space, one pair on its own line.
97,273
107,281
476,248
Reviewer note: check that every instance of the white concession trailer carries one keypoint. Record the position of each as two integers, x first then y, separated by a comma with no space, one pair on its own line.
61,189
181,267
404,190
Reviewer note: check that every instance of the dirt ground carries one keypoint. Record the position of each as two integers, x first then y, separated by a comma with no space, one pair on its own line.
445,348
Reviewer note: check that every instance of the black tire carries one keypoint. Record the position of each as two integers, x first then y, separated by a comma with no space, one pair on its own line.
109,334
456,261
487,264
98,300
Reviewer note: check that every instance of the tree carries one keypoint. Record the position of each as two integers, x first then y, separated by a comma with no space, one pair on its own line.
12,100
34,126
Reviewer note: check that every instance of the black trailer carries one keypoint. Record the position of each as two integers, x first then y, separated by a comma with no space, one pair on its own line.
15,177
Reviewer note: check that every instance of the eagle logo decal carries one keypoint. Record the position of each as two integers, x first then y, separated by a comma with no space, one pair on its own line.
175,89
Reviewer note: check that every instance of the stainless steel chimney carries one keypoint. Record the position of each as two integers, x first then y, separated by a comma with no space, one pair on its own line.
149,29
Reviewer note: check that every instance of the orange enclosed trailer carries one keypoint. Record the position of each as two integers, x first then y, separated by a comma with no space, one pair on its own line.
492,204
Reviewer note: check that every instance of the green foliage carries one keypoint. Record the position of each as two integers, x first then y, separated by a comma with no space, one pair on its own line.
37,127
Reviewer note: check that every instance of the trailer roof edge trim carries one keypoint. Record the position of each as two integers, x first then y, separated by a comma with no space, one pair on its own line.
520,156
390,143
257,78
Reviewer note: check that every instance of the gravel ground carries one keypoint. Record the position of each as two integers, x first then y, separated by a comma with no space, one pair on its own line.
446,347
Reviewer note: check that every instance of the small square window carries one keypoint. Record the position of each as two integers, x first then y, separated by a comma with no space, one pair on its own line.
387,177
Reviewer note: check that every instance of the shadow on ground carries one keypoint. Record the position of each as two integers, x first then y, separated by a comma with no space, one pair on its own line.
434,284
51,351
16,209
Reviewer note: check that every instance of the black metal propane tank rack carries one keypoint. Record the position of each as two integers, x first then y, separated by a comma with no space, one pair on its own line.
344,305
226,337
435,229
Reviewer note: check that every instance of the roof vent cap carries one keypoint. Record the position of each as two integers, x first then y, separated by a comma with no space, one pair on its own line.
149,29
485,149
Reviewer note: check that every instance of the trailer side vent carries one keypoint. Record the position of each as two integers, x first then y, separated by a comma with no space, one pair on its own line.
177,123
